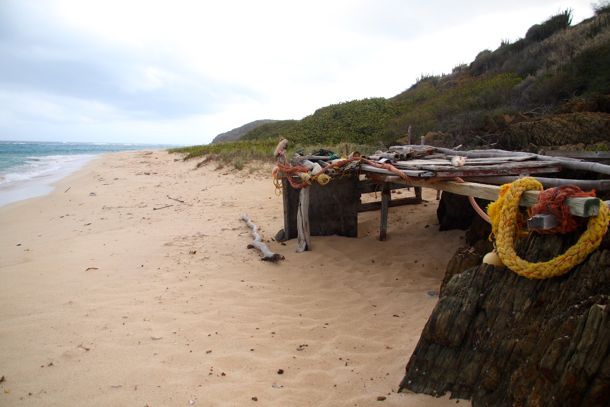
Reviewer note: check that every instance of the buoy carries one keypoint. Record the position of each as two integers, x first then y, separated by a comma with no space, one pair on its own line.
323,179
305,177
458,161
493,259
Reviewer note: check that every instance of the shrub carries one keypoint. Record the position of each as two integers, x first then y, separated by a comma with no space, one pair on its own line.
602,7
539,32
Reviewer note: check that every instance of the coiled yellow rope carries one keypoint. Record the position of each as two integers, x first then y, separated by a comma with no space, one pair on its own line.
504,214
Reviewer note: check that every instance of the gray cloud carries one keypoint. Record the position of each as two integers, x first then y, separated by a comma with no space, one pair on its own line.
212,69
43,57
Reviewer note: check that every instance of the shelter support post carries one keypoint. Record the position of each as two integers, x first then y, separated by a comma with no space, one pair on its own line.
386,196
303,239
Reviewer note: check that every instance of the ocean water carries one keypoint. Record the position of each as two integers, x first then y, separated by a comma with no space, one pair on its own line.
28,169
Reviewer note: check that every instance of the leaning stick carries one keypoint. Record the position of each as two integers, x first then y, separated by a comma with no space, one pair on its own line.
258,244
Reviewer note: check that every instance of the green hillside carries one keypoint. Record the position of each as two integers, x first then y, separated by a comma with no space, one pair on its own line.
556,72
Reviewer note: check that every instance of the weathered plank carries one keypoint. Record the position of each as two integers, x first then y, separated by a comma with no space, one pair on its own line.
410,173
418,163
375,206
598,185
506,167
542,221
333,208
496,170
578,206
366,187
581,155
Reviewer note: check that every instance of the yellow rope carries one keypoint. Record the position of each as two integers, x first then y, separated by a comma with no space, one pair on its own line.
504,214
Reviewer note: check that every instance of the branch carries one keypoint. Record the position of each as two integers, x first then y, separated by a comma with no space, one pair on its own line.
257,243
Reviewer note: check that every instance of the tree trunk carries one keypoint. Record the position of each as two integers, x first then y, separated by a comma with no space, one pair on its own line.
503,340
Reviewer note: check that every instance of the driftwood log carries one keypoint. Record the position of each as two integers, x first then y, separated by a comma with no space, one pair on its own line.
503,340
258,244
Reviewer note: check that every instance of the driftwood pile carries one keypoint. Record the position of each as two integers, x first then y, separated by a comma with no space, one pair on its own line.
421,161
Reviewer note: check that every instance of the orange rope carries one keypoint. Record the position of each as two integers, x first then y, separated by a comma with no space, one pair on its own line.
553,201
474,204
290,171
388,167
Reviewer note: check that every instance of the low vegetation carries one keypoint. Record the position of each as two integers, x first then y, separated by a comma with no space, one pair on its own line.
238,153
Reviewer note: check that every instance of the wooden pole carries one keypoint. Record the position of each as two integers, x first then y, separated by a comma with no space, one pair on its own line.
386,196
598,185
584,207
303,239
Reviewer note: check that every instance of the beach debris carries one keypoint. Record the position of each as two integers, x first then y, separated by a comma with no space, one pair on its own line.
254,398
302,347
156,338
258,244
92,194
83,347
381,398
280,150
458,161
277,386
92,268
162,207
175,199
280,371
191,402
2,379
67,189
493,259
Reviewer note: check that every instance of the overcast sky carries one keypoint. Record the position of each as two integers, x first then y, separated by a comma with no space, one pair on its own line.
182,71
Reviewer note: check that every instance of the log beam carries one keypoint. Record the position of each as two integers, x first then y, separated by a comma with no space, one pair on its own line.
584,207
375,206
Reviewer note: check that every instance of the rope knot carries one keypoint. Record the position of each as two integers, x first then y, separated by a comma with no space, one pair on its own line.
554,202
504,214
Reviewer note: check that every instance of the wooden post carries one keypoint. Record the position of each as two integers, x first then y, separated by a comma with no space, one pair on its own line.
409,135
385,206
418,193
303,239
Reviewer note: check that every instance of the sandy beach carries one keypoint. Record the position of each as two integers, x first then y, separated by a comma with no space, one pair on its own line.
131,285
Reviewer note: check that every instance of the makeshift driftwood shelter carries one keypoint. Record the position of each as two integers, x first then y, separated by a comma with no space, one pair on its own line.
333,209
495,337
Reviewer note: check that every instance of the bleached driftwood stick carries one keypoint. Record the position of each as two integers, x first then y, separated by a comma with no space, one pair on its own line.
258,244
303,238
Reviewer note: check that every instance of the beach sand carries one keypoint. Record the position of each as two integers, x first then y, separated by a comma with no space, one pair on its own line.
131,285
